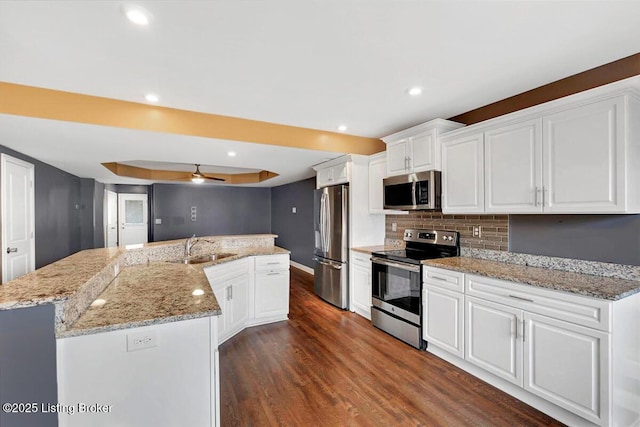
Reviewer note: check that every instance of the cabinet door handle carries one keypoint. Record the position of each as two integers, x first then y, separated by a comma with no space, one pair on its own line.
273,274
273,263
515,322
521,298
438,278
524,328
229,293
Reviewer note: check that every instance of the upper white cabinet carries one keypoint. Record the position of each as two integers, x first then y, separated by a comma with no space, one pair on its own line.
579,154
463,174
416,149
333,174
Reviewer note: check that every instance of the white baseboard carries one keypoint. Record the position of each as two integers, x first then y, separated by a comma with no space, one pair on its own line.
302,267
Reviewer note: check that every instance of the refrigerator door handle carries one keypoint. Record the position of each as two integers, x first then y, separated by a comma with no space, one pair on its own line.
327,222
328,264
322,222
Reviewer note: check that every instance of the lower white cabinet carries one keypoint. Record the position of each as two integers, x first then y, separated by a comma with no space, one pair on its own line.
174,382
250,291
568,365
271,288
573,357
443,313
233,298
360,298
492,340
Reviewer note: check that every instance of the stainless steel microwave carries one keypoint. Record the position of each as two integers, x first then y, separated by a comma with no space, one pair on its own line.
414,191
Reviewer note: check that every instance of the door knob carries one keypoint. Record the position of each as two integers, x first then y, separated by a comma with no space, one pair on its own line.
9,250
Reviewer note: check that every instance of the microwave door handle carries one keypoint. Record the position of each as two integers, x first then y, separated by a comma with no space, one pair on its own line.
413,193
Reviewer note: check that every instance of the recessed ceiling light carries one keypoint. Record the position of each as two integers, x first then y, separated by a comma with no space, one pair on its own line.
414,91
152,97
136,14
231,154
342,128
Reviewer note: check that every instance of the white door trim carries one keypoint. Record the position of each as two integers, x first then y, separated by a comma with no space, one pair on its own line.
4,159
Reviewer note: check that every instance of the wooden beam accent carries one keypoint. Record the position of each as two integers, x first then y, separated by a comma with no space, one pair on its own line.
599,76
51,104
165,175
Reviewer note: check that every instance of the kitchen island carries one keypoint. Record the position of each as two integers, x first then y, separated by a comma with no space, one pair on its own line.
137,334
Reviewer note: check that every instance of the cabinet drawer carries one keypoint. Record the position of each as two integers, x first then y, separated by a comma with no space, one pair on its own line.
361,259
445,279
580,310
228,270
272,262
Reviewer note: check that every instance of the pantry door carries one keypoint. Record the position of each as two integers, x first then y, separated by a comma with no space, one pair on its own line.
132,218
18,217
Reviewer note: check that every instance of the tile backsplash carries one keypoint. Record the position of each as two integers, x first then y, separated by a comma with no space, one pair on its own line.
494,228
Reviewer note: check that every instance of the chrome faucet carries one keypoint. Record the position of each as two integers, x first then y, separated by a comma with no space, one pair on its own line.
189,244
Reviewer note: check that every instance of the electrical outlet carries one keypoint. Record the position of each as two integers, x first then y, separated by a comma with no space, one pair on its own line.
477,231
141,340
394,226
294,210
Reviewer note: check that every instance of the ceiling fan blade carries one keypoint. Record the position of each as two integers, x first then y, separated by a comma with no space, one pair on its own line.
213,178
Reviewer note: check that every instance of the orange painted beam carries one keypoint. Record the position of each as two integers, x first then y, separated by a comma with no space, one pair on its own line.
51,104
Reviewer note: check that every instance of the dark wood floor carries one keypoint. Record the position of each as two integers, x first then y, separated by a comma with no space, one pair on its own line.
328,367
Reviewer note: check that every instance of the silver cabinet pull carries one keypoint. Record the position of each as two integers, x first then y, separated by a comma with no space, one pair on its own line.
273,274
273,263
438,278
521,298
9,250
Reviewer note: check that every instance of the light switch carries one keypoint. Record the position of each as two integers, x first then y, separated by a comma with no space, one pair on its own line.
158,221
294,210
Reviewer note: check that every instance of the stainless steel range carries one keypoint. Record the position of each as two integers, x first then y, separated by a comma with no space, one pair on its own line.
397,282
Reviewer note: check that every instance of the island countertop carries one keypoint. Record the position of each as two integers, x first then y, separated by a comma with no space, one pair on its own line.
606,288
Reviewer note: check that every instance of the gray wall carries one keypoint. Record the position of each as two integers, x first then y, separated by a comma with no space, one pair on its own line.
57,193
606,238
295,231
220,210
28,364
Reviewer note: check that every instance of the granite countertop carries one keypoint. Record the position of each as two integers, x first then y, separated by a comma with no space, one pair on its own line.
58,281
142,295
606,288
369,249
156,292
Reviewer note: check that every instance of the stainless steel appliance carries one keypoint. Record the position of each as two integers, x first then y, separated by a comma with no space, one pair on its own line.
397,282
415,191
331,224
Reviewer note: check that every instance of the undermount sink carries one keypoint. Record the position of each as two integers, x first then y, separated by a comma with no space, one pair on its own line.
201,259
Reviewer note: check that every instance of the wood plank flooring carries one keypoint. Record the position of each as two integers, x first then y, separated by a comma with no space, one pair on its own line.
328,367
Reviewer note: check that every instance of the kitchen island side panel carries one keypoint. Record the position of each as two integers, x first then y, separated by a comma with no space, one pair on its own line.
28,364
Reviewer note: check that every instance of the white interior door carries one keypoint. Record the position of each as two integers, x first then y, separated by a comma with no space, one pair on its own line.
133,217
18,218
110,219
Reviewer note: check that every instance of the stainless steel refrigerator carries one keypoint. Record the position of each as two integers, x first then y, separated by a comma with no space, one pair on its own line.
331,223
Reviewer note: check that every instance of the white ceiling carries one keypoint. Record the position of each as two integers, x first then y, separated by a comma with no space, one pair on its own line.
314,64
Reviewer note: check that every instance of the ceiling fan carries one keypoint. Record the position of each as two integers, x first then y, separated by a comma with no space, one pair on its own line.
198,177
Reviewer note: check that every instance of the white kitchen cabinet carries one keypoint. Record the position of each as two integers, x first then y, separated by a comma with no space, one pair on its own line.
492,338
463,174
513,168
568,365
377,173
332,175
579,154
571,356
416,149
271,288
443,309
443,319
233,298
585,154
360,298
175,382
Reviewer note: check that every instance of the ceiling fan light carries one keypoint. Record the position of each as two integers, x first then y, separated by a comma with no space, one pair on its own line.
197,180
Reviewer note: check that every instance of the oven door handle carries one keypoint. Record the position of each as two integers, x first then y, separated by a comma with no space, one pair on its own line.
407,267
